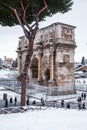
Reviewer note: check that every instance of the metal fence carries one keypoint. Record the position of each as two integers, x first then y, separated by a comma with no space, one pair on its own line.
81,86
7,82
36,92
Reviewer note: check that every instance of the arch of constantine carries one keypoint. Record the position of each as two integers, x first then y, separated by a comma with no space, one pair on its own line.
52,63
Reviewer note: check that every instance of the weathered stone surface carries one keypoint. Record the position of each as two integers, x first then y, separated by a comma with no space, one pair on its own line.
54,50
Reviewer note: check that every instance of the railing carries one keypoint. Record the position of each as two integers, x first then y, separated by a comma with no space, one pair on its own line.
45,91
81,86
8,82
10,110
39,106
50,101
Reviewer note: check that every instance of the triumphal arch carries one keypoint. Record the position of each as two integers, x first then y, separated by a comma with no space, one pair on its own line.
52,63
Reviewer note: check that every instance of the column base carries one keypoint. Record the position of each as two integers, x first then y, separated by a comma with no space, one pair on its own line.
40,81
52,83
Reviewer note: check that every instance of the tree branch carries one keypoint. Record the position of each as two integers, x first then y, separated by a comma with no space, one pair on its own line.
6,5
24,9
14,10
27,25
19,20
23,27
22,6
45,7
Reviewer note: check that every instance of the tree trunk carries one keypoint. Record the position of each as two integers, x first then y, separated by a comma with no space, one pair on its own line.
25,71
23,90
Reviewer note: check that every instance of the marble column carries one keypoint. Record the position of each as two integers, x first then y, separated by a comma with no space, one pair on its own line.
40,65
51,63
19,64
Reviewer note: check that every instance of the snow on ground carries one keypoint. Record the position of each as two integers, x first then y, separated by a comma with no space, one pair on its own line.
50,119
7,74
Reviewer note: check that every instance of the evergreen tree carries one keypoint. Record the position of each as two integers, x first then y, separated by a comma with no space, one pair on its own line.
14,64
83,60
1,61
27,14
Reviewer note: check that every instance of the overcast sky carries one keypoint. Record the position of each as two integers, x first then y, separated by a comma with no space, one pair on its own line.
9,36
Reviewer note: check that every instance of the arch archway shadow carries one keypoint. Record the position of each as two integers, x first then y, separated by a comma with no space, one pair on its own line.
34,67
47,74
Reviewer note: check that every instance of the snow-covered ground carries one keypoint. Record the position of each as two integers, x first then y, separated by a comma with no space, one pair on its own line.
48,119
7,74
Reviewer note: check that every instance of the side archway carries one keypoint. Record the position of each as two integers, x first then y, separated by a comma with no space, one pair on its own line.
34,67
47,74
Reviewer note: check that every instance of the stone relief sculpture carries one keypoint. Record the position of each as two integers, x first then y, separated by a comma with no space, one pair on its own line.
52,34
66,59
66,33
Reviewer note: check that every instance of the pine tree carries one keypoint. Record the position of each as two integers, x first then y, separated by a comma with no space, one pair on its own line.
28,14
83,60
